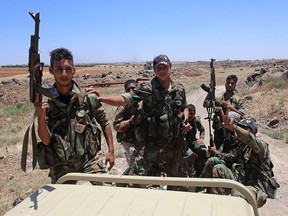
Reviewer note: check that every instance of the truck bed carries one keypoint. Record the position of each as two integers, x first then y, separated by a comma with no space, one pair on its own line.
85,199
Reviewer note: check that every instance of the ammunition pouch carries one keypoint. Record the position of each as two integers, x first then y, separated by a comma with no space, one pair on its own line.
153,127
45,156
85,143
54,154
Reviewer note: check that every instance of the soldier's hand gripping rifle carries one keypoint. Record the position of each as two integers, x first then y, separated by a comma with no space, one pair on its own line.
211,99
36,67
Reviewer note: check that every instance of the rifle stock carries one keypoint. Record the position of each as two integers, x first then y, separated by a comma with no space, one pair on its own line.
36,67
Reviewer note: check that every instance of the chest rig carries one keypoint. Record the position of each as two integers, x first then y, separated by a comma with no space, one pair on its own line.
160,114
75,135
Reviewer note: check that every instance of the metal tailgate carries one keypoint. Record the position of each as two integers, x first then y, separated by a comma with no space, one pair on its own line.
64,199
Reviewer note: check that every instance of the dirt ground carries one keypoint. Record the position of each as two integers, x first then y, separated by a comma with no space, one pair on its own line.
191,75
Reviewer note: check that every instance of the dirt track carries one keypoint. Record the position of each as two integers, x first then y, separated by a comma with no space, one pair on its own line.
278,150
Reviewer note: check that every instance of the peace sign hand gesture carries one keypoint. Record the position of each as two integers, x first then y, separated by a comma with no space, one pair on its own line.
227,122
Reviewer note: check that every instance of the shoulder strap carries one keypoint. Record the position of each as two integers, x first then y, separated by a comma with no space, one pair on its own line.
31,128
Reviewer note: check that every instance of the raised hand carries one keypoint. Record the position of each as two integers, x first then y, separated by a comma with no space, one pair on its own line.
186,128
92,91
40,106
227,122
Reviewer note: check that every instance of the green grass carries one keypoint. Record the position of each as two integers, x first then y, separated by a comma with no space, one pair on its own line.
276,82
17,110
274,133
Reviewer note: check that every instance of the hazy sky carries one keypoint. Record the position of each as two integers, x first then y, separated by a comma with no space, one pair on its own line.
133,30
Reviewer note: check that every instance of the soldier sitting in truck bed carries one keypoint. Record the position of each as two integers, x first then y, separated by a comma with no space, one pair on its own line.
250,164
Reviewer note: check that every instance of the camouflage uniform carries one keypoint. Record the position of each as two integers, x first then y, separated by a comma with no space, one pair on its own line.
250,165
159,124
199,149
219,133
126,134
221,157
75,138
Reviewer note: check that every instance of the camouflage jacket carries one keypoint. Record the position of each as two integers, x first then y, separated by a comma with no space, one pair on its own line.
125,131
250,159
73,126
160,115
235,100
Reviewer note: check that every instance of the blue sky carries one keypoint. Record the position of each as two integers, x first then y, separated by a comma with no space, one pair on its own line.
133,30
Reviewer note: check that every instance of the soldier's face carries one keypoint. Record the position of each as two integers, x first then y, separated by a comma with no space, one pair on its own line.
191,115
230,85
130,87
63,72
163,72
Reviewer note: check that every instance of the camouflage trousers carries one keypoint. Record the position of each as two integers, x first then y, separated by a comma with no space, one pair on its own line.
210,163
134,156
76,165
202,155
221,171
158,161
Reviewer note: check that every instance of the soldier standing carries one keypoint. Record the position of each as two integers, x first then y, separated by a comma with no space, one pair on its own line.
163,105
68,125
124,124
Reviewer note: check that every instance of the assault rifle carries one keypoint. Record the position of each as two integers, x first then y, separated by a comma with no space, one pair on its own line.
211,98
35,86
108,84
36,67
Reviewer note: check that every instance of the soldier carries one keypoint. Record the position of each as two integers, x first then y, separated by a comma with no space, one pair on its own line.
197,145
250,164
67,126
159,128
228,100
125,124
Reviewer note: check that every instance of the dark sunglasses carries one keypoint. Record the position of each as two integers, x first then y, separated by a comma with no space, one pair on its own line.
128,89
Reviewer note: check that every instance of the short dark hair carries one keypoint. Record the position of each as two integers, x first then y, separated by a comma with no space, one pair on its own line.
129,82
232,77
191,107
60,54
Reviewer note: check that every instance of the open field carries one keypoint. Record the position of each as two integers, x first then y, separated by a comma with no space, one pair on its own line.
15,184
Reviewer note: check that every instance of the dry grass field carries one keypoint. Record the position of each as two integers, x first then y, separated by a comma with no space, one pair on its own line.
269,100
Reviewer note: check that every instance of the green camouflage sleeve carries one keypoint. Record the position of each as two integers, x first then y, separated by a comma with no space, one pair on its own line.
250,140
119,124
100,115
142,92
128,98
181,100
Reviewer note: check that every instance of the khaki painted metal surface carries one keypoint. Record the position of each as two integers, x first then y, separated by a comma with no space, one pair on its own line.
64,199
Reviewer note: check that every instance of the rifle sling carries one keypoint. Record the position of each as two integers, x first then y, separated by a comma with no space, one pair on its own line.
34,145
31,128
